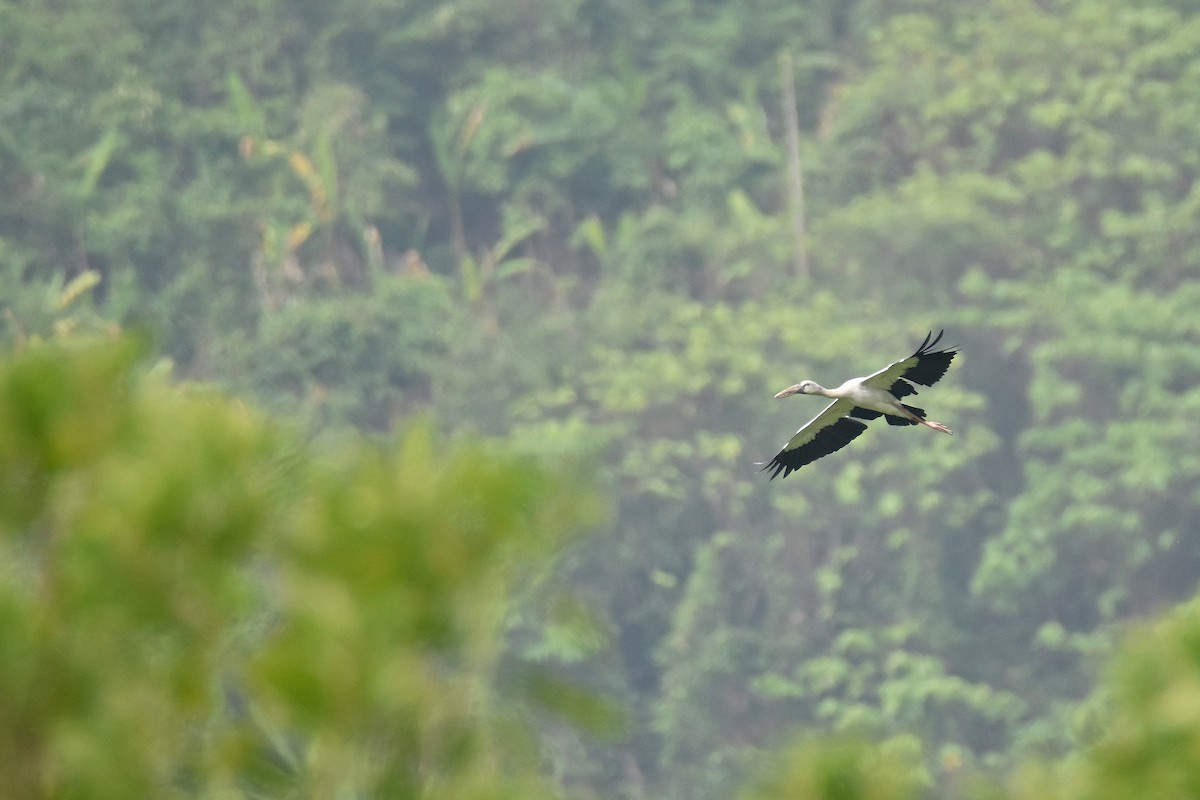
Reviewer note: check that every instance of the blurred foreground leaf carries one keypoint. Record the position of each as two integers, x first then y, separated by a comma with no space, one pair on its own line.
192,603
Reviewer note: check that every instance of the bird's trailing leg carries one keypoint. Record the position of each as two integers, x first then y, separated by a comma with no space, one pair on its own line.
911,414
937,426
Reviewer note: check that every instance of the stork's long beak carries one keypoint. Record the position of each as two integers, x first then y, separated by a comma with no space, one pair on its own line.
788,392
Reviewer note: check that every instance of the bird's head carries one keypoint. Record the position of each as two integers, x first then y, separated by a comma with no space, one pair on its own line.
803,387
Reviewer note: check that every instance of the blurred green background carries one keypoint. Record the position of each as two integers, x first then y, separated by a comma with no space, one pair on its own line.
503,292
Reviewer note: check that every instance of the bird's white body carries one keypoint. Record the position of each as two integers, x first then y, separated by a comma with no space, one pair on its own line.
864,393
858,392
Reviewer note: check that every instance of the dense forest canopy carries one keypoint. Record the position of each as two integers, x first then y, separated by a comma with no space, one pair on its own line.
606,233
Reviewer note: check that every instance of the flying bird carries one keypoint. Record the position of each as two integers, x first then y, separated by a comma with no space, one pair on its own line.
861,399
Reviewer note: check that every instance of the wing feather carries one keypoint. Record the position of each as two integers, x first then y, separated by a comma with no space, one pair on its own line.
828,432
926,366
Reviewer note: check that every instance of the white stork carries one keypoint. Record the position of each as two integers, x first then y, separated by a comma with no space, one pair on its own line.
861,399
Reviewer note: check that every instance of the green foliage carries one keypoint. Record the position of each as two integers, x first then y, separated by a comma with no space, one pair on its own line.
1142,723
1149,748
126,514
570,224
54,309
192,603
350,359
840,770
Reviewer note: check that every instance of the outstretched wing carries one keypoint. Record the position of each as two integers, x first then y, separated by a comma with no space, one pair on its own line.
827,432
926,367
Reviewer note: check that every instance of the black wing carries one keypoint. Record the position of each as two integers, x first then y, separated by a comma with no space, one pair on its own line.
926,367
828,432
